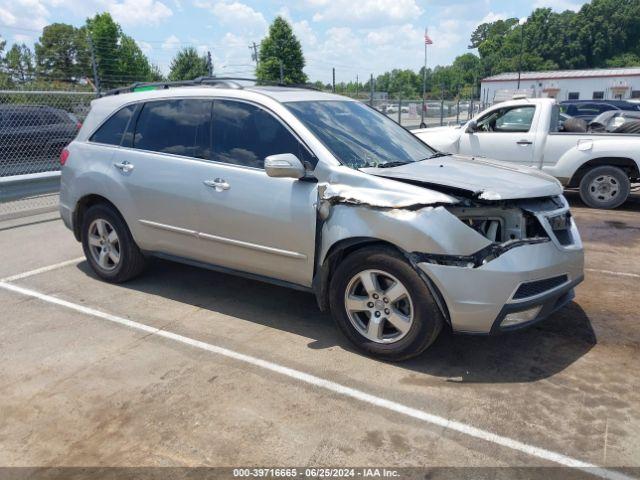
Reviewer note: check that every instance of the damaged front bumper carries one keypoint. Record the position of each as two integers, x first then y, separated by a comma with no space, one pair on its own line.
522,286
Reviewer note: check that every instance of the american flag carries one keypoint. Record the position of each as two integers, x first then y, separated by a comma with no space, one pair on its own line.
427,39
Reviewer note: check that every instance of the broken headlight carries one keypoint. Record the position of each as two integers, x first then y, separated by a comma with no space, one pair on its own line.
497,224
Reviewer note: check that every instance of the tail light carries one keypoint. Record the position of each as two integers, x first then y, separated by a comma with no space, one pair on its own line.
79,125
64,155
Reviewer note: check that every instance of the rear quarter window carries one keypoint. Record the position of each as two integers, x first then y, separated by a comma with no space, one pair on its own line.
111,131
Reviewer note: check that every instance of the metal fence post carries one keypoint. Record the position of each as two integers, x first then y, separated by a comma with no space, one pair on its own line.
400,109
94,66
458,111
371,92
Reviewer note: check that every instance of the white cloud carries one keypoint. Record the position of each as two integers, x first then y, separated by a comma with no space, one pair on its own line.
492,17
236,16
7,17
21,38
389,11
137,12
171,43
26,14
558,5
144,46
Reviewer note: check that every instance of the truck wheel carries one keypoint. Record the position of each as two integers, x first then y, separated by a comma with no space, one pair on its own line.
605,187
383,306
109,246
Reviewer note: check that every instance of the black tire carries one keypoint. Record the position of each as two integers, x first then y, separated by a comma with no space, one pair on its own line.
594,199
132,262
427,322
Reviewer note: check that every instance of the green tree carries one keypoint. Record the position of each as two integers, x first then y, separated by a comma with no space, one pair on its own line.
19,63
120,60
61,53
281,49
187,65
624,60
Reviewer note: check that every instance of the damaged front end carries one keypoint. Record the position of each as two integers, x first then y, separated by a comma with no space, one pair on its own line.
492,265
508,224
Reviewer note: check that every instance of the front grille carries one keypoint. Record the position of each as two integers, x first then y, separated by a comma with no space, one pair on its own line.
531,289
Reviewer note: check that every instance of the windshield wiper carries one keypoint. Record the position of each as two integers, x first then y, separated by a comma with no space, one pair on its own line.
437,155
391,164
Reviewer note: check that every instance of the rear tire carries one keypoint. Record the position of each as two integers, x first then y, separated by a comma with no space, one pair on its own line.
108,245
395,317
605,187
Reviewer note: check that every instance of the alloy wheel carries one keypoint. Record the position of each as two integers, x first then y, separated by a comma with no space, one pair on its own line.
379,306
104,244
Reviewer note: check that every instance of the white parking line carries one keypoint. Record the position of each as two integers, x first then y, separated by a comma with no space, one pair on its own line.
610,272
37,271
334,387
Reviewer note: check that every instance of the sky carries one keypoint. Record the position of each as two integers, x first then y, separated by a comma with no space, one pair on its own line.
358,38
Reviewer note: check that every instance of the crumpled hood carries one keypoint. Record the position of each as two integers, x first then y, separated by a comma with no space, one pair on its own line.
486,179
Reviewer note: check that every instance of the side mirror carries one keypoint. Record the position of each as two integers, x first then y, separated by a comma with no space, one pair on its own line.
284,165
472,127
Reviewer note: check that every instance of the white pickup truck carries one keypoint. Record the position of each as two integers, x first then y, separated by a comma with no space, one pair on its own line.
528,132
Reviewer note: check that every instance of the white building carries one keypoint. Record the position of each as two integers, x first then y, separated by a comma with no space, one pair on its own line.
597,84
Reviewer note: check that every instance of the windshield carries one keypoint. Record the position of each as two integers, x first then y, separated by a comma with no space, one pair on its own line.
359,136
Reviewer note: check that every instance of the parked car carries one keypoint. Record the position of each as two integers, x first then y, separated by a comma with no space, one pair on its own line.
614,121
587,110
32,137
525,132
320,193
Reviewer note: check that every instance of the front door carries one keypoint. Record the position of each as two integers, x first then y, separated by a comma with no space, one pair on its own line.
503,134
250,221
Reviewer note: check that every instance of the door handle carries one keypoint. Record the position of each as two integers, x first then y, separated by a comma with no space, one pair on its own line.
125,166
219,184
524,142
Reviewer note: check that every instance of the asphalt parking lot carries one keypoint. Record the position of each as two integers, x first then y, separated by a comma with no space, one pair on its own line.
187,367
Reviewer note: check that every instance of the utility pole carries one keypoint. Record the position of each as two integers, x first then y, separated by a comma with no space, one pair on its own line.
94,65
281,73
442,104
427,41
521,49
333,88
254,52
209,64
371,90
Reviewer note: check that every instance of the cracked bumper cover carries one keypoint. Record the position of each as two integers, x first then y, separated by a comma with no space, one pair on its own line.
478,299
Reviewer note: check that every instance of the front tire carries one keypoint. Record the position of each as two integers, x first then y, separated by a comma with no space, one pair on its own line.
605,187
109,246
383,306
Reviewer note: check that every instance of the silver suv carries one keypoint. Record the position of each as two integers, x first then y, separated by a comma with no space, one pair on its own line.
323,194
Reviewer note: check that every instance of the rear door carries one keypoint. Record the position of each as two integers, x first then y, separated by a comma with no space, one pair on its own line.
250,221
160,165
506,134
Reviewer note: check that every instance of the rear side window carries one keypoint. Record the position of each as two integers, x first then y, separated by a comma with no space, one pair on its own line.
50,118
19,117
179,127
112,130
244,134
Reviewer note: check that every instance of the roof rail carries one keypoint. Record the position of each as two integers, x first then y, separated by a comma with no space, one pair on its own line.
229,82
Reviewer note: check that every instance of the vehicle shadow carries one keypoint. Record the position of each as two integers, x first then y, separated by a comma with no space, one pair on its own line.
523,356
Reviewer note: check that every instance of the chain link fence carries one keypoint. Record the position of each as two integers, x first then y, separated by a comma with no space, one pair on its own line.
408,113
34,128
36,125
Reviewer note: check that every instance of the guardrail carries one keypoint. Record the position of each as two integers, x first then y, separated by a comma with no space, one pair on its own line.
28,194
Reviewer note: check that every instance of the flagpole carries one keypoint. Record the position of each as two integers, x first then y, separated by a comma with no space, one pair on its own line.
424,82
